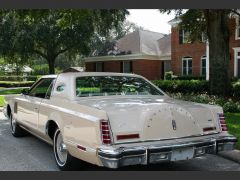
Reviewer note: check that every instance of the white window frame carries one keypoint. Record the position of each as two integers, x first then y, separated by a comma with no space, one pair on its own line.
187,59
237,34
236,57
202,58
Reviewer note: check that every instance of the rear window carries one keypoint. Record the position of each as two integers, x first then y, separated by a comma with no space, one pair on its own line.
113,85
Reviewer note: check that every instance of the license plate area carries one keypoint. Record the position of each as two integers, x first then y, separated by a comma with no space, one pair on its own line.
182,154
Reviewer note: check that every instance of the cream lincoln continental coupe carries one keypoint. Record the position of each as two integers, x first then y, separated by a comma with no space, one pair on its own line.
114,120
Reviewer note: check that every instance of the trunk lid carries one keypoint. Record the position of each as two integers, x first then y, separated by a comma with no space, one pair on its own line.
154,118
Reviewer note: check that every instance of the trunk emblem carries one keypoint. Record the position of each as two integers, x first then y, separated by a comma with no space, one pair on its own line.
174,125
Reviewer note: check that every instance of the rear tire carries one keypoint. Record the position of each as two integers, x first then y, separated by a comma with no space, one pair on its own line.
17,131
64,160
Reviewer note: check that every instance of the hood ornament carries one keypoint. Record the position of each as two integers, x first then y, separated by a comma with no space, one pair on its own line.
174,125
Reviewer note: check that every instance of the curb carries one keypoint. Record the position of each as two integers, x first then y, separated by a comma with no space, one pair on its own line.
233,155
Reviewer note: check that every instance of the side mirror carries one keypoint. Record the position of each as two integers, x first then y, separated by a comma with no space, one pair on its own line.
25,91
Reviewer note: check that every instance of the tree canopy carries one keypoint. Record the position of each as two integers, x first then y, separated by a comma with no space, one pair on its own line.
215,24
102,46
49,33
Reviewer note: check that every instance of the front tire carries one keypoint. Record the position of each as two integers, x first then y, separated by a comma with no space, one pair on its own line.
17,131
64,160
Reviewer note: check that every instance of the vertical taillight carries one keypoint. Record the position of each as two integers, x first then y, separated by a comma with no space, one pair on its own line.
105,132
222,122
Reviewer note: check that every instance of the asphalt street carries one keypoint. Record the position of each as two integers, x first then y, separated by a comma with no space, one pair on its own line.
31,154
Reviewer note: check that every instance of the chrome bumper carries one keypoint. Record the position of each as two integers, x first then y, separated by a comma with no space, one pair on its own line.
161,153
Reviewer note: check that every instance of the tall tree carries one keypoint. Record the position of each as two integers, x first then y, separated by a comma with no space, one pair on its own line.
50,33
214,23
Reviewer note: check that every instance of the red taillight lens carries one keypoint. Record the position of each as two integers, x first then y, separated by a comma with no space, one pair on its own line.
127,136
105,132
222,122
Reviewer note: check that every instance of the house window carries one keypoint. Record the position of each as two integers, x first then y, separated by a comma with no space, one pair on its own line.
237,28
187,66
203,66
127,66
237,62
184,36
99,67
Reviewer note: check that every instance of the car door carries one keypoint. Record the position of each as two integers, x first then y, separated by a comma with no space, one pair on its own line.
29,106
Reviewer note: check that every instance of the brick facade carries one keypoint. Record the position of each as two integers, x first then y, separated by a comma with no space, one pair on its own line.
151,69
232,43
196,50
154,69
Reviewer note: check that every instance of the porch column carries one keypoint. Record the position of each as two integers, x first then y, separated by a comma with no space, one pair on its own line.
207,60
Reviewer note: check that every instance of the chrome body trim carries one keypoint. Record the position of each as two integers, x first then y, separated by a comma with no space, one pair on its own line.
118,157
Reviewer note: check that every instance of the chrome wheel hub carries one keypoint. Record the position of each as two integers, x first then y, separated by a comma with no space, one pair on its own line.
60,149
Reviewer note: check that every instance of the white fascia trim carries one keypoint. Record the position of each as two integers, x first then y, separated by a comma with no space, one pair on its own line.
236,50
127,58
174,23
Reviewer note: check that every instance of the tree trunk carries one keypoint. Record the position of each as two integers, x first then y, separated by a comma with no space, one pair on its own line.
51,65
219,56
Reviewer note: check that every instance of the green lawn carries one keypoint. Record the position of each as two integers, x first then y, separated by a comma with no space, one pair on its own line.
233,123
1,101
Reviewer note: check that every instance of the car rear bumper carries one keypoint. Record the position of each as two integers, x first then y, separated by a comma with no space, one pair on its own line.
161,153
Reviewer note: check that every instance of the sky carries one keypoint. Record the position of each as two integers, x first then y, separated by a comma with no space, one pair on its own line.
151,19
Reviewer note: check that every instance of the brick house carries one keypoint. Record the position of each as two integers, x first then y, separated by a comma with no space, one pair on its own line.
141,52
151,54
192,58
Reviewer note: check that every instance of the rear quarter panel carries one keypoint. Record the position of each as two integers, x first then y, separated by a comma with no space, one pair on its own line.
79,125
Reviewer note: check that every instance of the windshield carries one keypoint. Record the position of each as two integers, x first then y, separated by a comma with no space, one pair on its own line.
113,85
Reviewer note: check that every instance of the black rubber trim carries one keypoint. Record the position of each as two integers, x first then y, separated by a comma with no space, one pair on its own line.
205,144
227,140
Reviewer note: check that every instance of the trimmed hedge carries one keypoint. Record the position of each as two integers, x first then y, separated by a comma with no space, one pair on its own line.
192,86
10,84
183,86
189,78
227,103
19,78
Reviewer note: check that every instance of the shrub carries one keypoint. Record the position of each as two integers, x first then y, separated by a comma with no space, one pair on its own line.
10,84
168,75
228,104
183,86
189,77
232,107
18,78
40,69
236,90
